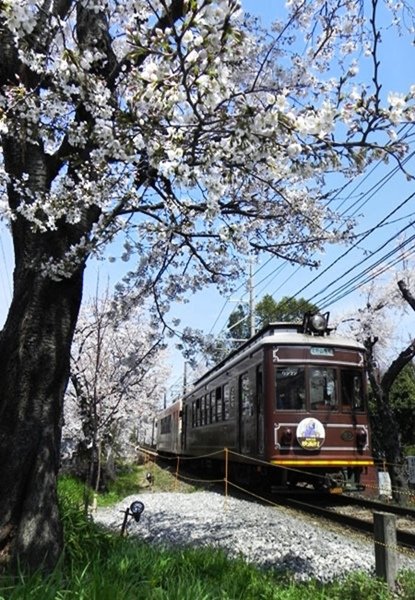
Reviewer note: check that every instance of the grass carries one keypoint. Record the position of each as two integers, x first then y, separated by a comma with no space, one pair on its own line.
131,479
98,565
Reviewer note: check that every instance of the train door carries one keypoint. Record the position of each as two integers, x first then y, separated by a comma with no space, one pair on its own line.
247,416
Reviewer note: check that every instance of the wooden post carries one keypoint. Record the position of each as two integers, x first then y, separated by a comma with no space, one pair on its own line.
384,525
176,482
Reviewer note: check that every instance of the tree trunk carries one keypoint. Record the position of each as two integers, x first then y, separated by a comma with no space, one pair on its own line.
395,461
386,424
34,358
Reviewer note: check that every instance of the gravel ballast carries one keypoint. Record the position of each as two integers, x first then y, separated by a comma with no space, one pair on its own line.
267,536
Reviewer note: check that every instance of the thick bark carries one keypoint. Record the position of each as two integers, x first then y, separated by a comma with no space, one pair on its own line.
385,421
34,358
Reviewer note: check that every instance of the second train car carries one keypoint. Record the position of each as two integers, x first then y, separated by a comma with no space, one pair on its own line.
289,405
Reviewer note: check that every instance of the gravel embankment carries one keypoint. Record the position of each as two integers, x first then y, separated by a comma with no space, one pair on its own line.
267,536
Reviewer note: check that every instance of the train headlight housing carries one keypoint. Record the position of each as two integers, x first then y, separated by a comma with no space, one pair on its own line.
361,438
316,323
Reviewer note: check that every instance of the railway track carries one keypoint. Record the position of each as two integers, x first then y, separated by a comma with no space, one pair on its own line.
362,519
336,509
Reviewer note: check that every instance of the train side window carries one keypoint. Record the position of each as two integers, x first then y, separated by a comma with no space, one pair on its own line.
194,413
226,401
202,410
323,388
290,388
212,407
246,395
232,398
352,389
165,424
198,412
218,404
207,410
260,389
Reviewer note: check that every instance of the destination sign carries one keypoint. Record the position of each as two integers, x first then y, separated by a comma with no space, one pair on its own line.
322,351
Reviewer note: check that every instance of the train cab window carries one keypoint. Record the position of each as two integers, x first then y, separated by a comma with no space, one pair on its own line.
226,401
352,390
323,389
290,388
218,404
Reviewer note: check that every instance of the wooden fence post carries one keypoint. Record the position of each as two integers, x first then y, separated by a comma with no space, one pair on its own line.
384,526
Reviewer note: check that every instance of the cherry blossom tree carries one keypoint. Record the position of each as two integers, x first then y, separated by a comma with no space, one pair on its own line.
117,381
199,137
378,324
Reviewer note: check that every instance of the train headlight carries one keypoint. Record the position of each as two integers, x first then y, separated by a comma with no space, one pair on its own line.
286,437
316,323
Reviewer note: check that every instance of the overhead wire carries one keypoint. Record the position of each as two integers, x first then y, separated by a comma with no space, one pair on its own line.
367,234
329,299
374,275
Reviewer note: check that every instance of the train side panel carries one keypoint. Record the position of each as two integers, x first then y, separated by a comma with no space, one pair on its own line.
169,429
227,412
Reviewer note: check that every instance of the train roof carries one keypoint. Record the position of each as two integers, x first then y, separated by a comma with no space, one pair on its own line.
284,334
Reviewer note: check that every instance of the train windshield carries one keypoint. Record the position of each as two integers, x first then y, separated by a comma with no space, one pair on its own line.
352,389
318,388
323,388
290,388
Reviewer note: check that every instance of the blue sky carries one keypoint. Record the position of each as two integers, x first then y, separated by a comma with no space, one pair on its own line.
369,198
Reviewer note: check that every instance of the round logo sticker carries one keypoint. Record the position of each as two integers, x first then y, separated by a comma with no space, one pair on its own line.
310,434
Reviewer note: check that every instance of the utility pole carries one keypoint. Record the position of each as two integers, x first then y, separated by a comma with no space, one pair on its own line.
251,298
185,378
250,303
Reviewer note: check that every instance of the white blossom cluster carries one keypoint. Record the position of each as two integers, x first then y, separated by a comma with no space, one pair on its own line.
198,134
118,376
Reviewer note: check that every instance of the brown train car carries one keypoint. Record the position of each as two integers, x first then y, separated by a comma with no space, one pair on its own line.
290,405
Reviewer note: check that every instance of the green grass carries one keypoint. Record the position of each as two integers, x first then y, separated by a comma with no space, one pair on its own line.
130,480
97,565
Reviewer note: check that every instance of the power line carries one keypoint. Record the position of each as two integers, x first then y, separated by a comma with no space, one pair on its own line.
366,235
352,284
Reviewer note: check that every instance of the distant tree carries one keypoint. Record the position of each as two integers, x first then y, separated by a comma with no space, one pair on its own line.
117,378
402,398
375,326
267,310
238,327
288,310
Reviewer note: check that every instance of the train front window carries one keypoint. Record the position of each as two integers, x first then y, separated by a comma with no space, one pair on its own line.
352,389
290,388
323,388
